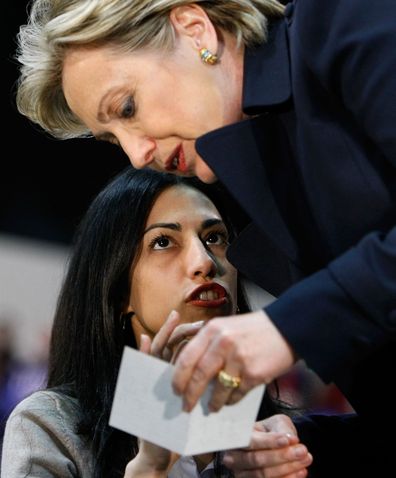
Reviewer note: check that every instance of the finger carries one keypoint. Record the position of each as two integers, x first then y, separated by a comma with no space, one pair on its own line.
188,359
282,461
181,336
237,395
184,331
221,393
160,340
145,344
200,376
279,423
294,469
262,440
177,349
213,347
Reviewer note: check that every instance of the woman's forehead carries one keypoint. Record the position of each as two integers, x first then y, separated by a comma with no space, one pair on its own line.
182,201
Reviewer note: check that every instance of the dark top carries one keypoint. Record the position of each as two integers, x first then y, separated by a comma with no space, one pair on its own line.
316,173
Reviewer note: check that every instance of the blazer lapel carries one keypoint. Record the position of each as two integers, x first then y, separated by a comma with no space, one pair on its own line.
256,256
235,155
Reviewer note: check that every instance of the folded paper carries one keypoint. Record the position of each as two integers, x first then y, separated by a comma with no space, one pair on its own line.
145,405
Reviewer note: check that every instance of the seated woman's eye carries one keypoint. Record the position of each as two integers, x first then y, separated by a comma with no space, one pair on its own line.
217,239
161,242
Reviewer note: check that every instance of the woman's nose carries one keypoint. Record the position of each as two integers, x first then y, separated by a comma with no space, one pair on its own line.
200,261
140,150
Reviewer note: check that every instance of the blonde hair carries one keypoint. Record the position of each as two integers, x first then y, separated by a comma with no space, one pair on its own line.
56,25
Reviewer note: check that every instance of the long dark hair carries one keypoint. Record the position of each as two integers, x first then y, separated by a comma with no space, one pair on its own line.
88,336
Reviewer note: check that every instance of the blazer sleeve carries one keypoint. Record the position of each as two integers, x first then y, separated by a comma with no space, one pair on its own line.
340,445
351,303
39,442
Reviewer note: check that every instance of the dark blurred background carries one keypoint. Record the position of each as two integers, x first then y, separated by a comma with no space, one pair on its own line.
46,184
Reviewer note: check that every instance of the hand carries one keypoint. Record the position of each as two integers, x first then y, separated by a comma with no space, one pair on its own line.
171,338
153,461
248,346
274,452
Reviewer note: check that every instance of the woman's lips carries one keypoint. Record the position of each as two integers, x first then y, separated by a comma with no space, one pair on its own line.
177,160
181,165
208,295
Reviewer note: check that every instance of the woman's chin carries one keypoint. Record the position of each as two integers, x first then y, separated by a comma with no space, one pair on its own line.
204,173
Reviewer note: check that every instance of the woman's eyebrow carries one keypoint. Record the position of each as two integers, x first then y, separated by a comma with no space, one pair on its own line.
211,222
167,225
175,226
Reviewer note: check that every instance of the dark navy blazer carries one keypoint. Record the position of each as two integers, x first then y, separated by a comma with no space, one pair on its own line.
315,170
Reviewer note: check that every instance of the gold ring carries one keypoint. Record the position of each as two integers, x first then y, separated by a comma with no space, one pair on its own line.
227,380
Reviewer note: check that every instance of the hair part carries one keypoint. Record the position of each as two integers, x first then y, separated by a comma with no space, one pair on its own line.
54,26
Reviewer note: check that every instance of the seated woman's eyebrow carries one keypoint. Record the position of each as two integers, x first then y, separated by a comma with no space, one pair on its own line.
167,225
178,227
211,222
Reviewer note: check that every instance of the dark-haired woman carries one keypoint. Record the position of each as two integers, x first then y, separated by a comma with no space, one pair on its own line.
150,244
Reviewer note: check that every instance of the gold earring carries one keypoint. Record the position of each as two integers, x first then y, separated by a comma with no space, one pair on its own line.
207,56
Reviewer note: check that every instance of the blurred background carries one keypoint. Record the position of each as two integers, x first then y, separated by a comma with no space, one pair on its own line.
45,188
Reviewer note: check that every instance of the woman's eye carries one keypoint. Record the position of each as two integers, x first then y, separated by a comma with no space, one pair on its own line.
128,109
161,242
216,238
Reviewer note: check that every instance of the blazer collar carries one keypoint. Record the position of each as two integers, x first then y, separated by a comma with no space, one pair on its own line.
267,72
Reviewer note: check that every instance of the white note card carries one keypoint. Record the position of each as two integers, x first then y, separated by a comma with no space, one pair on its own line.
145,405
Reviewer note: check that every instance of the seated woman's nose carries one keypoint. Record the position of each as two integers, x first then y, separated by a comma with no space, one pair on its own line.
203,265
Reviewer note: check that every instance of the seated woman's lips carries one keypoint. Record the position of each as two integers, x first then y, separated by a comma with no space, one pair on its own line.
208,295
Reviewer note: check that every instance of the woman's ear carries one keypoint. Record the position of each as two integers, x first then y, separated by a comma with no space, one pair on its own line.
191,21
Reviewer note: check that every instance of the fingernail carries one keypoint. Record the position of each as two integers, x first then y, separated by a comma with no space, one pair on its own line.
299,451
282,441
199,323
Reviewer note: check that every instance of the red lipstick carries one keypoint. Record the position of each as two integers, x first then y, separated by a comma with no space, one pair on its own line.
181,165
208,295
177,160
172,162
